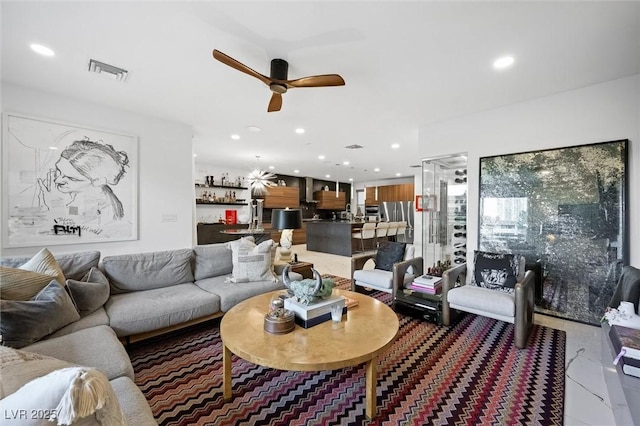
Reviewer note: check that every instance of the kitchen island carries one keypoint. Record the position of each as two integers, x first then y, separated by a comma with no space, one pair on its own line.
332,236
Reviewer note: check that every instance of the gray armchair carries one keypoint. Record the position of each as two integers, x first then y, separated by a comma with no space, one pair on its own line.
383,280
516,308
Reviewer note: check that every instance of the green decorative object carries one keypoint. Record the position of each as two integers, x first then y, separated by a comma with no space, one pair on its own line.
309,290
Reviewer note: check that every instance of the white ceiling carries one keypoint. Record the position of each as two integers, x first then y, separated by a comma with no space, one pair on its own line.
406,65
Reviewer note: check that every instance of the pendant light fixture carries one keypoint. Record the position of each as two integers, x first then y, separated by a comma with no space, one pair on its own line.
260,180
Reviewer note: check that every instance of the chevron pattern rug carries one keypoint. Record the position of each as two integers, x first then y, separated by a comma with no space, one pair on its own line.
467,374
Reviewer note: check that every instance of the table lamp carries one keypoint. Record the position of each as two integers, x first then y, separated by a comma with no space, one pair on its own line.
286,220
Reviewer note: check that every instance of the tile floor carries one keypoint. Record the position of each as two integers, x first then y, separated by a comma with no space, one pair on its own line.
586,396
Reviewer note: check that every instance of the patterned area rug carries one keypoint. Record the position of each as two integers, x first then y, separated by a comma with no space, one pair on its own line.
468,373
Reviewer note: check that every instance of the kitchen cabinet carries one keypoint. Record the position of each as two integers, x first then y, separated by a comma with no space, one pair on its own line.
327,200
400,192
280,197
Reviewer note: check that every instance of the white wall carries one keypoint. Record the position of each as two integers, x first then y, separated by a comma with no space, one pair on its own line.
164,169
603,112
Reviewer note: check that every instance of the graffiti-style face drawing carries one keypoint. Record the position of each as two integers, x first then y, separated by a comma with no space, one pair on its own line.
68,179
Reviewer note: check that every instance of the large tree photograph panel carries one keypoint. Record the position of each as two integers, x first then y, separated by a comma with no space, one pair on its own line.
564,210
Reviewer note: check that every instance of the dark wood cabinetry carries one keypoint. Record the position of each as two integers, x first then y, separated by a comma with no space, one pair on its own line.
400,192
280,197
327,200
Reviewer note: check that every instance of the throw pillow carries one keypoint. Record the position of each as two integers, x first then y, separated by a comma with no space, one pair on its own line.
496,271
90,293
74,395
388,254
18,284
44,263
252,262
25,322
18,368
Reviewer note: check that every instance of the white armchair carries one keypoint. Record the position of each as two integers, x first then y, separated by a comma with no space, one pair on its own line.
515,306
385,277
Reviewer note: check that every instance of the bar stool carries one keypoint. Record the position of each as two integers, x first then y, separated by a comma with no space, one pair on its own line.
381,231
402,231
368,232
393,230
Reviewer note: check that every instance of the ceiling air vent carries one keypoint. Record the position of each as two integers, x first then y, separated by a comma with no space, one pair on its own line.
107,70
354,146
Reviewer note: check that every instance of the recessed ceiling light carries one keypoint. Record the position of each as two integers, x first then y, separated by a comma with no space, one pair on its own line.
395,146
346,163
377,169
398,174
53,147
350,179
195,155
43,50
296,171
254,129
503,62
299,130
272,167
235,137
320,157
327,176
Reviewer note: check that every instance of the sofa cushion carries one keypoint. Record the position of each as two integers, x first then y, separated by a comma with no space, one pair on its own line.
481,299
252,262
95,318
18,368
25,322
388,254
230,294
497,271
146,271
133,403
212,260
96,347
72,395
373,277
143,311
91,293
73,265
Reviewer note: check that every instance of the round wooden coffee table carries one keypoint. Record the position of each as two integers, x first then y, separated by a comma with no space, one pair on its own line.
365,331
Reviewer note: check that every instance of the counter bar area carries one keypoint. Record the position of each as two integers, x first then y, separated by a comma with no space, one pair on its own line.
333,236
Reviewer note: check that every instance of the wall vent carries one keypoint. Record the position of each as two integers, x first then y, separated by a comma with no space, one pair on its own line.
107,70
354,146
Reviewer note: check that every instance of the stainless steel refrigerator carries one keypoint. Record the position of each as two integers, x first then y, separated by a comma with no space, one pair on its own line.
397,211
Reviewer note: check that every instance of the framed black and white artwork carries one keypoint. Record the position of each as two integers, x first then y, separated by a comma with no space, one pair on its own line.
66,184
565,210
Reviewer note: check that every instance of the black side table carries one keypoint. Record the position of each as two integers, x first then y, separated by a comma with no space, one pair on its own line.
423,305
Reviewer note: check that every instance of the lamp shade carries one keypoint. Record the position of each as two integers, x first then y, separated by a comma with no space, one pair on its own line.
286,219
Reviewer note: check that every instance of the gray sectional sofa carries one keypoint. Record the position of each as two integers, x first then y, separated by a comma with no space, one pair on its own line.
150,293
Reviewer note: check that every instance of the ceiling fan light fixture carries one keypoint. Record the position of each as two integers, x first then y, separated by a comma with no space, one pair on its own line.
278,88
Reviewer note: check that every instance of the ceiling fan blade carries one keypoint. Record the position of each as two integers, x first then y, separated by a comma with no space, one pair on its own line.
228,60
275,103
317,81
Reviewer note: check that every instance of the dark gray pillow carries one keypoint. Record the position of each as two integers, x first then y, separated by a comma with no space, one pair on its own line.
25,322
388,254
91,292
497,271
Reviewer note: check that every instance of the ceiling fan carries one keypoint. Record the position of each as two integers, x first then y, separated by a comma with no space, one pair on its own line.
277,81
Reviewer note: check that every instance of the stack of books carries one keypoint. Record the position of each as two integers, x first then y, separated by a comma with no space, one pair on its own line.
429,284
309,315
626,342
